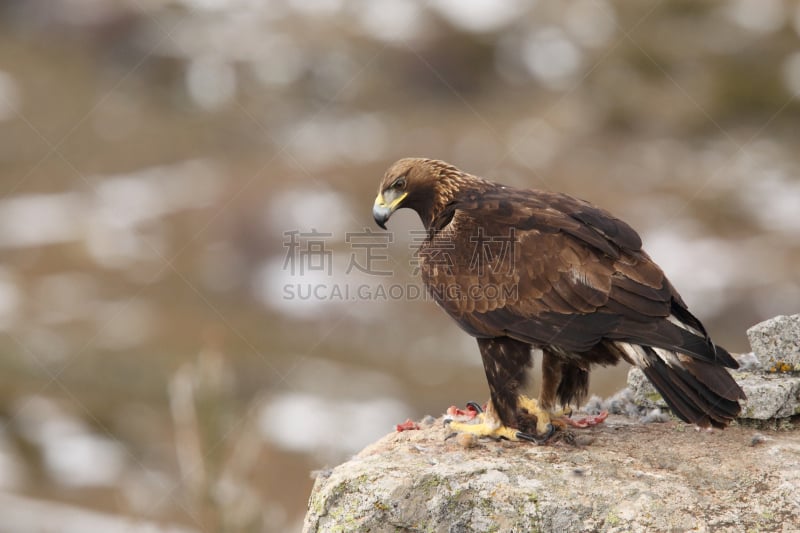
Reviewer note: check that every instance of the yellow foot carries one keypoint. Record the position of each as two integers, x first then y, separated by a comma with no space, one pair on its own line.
544,419
483,425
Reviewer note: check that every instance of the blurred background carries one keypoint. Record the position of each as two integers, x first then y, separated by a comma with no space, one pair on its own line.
194,314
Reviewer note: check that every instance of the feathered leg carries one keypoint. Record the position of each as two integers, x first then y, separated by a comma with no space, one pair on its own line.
556,374
506,362
551,379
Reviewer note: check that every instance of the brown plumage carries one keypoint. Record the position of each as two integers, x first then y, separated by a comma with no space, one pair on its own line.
527,268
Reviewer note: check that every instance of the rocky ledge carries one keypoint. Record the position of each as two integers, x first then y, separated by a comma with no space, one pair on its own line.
619,476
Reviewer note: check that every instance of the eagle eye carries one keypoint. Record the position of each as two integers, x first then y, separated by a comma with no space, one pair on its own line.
399,183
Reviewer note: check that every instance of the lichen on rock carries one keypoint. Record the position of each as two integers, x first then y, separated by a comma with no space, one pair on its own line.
776,343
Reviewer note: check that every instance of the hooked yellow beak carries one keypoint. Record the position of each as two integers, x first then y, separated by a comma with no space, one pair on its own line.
385,206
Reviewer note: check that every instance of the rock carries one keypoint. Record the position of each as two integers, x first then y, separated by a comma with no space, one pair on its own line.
632,477
776,343
643,392
769,395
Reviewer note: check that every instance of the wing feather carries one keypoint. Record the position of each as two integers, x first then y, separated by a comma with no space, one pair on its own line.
576,275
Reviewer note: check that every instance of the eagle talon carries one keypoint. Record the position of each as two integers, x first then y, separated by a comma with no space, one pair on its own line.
538,439
521,435
475,406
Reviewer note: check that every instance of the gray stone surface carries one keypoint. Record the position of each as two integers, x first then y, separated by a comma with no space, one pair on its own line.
777,342
624,477
642,391
769,395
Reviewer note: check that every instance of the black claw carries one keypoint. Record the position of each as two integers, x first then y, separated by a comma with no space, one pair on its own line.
446,422
538,439
521,435
476,406
451,435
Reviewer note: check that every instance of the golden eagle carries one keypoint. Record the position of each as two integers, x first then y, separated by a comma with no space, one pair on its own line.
522,269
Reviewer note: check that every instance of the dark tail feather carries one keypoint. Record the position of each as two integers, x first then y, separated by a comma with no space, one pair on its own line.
705,349
698,392
682,314
673,337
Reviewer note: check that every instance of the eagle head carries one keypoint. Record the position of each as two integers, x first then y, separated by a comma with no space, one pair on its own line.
412,183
